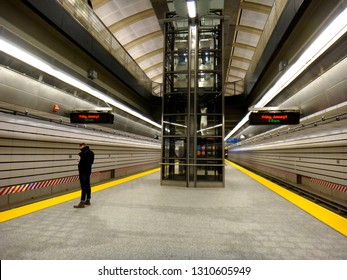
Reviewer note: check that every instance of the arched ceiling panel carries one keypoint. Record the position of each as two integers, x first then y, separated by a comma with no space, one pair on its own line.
252,18
151,60
144,39
247,38
137,30
133,19
154,73
135,25
146,56
243,52
154,66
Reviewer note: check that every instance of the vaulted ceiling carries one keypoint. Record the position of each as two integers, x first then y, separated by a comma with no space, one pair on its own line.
135,25
260,38
248,26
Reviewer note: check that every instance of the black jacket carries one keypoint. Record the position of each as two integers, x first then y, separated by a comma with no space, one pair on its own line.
86,160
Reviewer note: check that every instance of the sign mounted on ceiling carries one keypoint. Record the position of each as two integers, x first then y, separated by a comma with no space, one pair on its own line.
91,117
274,118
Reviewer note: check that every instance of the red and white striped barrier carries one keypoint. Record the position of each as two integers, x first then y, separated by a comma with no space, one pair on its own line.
41,184
329,185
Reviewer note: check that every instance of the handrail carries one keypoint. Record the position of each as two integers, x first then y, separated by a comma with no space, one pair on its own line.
81,11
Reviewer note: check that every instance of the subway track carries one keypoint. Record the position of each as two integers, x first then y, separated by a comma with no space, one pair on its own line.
314,197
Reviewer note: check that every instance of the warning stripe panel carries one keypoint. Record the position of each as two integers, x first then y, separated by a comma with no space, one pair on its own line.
329,185
41,184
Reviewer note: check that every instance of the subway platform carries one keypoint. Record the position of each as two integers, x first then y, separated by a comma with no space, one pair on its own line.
136,218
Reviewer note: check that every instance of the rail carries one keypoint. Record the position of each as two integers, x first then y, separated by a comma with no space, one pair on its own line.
81,11
317,198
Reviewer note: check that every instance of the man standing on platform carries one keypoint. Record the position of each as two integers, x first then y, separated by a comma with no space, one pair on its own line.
85,170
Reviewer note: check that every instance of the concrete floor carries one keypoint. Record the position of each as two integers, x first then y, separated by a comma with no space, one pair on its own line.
142,220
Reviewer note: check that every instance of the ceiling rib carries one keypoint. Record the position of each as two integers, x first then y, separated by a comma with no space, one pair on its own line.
244,46
131,20
238,69
156,77
98,3
148,55
260,8
249,29
252,17
160,64
242,59
143,39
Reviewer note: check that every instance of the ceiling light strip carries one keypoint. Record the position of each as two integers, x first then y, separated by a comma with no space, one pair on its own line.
27,58
191,6
325,40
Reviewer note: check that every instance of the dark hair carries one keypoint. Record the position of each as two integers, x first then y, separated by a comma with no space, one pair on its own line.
82,144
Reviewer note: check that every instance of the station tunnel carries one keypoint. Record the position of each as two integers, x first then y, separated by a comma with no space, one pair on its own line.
253,86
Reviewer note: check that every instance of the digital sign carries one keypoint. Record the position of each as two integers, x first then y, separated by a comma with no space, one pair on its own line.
274,118
88,117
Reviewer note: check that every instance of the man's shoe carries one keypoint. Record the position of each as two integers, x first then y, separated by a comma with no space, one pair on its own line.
80,205
87,202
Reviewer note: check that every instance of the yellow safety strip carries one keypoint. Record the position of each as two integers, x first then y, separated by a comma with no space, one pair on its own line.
328,217
37,206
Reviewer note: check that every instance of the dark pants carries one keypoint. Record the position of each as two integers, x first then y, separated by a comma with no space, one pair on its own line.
85,186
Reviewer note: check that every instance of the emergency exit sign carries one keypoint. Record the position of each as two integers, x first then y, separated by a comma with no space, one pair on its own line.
274,118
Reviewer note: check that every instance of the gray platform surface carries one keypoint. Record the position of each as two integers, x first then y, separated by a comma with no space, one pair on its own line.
142,220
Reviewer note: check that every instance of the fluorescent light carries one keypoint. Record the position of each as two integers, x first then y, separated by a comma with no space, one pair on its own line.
208,128
22,55
191,6
329,36
176,124
103,109
238,126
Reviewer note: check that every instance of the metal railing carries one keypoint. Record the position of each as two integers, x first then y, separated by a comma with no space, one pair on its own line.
81,11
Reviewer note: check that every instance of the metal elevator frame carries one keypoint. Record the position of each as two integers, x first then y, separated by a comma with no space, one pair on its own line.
193,102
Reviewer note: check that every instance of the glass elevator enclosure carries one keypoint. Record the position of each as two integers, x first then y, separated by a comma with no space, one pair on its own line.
193,102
